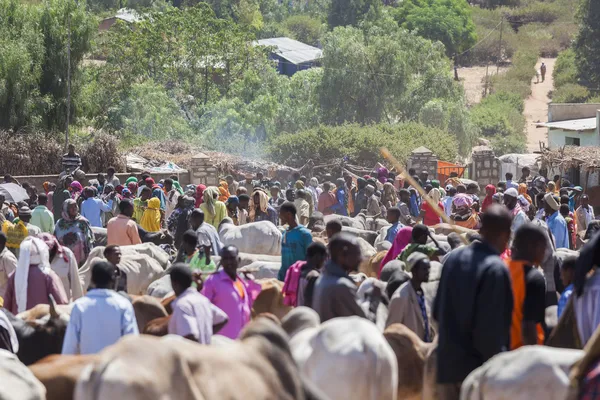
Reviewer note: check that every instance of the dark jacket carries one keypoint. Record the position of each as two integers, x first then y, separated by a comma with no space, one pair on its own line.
335,294
473,308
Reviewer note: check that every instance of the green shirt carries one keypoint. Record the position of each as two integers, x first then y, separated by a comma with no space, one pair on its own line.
413,247
197,262
43,219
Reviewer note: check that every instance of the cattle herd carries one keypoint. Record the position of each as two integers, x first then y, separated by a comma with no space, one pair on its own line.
283,353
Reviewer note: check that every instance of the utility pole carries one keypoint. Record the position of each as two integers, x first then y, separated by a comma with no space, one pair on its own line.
500,46
68,75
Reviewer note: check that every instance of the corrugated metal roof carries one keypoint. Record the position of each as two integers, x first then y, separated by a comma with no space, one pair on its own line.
292,50
583,124
128,15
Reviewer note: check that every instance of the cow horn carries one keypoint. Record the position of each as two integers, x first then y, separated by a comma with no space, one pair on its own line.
52,303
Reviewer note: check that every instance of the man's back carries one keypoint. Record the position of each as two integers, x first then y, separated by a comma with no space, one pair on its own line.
195,315
122,231
473,308
335,294
98,320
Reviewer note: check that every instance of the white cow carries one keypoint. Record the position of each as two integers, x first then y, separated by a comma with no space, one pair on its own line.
257,237
530,372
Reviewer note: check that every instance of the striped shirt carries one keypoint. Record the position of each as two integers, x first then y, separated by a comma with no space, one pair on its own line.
70,163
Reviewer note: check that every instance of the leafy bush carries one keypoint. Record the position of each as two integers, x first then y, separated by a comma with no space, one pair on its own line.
448,21
516,143
565,70
570,93
361,143
498,119
534,12
513,99
305,29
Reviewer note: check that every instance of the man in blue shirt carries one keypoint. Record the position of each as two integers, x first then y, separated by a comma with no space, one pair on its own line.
100,318
92,208
393,217
556,222
341,207
567,271
295,239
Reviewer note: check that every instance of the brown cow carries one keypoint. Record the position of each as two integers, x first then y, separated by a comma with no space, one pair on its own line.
59,373
147,308
411,353
370,266
143,367
270,299
157,327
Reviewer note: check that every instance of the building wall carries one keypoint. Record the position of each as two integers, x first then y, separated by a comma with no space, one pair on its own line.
38,180
563,112
557,137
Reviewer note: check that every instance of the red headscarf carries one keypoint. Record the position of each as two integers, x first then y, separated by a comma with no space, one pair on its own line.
490,191
199,194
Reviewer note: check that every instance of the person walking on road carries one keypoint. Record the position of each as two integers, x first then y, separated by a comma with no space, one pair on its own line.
543,72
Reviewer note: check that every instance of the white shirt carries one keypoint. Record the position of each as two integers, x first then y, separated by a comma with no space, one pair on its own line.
587,307
8,263
68,273
584,217
98,320
194,314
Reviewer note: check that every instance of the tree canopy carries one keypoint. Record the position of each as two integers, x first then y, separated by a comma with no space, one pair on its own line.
587,45
448,21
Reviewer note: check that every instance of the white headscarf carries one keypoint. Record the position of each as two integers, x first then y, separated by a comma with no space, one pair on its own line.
32,251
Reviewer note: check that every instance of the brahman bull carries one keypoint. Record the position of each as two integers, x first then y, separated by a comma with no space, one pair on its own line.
143,367
41,337
59,373
257,237
16,381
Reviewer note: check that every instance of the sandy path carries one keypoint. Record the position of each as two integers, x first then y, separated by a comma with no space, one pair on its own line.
472,79
536,106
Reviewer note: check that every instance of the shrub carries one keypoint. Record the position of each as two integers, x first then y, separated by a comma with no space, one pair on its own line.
534,12
361,144
498,118
305,29
516,143
565,70
570,93
513,99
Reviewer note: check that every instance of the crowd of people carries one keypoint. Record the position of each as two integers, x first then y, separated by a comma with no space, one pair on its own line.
493,291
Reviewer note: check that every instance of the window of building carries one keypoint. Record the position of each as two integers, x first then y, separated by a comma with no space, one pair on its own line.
569,141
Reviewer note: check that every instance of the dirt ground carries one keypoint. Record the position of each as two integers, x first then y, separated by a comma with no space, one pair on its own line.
536,106
472,79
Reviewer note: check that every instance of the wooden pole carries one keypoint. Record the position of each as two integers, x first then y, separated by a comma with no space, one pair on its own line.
385,152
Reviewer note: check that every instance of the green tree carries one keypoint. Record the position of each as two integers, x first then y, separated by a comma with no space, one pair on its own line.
21,57
305,29
54,25
349,12
587,45
374,76
448,21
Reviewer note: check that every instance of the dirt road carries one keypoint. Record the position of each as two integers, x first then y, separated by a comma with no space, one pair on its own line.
536,106
472,79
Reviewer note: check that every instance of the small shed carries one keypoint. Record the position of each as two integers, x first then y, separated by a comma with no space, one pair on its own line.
291,55
124,14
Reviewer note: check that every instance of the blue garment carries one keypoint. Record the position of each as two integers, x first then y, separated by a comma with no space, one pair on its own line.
340,207
159,194
572,203
415,205
421,300
92,208
512,184
98,320
447,202
270,215
393,231
564,299
294,243
558,227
